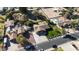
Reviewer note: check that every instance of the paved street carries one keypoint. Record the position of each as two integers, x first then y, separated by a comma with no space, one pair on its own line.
57,41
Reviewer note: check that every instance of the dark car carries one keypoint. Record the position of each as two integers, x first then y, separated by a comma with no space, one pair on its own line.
29,48
70,37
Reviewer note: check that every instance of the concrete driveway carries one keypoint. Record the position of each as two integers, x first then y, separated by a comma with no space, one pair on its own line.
39,39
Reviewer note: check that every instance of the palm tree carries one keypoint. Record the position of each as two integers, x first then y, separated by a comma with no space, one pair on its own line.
21,40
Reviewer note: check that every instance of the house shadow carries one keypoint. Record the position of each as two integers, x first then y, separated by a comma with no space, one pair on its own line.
30,15
26,34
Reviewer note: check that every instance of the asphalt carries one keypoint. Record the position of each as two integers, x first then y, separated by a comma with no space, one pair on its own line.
57,41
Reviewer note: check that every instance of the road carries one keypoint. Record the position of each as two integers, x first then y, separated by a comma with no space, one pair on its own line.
58,41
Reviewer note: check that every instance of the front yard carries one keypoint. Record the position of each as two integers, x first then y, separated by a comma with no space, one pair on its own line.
51,33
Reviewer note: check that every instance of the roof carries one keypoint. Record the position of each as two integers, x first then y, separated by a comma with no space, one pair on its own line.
40,26
50,12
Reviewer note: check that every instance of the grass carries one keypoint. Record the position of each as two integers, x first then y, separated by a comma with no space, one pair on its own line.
58,49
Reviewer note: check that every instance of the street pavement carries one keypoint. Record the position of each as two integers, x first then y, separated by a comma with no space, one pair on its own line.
59,41
67,47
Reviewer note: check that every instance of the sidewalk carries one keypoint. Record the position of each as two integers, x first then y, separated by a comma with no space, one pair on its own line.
67,47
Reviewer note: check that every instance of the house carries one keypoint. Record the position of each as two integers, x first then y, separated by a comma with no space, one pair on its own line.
19,16
40,26
9,23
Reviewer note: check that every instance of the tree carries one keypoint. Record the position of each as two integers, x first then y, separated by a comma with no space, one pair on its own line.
23,10
21,40
4,10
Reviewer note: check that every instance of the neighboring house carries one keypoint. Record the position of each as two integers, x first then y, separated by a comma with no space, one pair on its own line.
19,16
21,29
9,23
53,14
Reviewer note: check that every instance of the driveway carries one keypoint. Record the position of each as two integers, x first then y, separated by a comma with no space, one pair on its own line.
39,39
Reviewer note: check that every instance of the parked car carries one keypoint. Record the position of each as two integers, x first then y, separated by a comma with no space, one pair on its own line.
70,37
29,48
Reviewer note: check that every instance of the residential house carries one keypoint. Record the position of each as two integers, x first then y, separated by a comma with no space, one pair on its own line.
40,26
9,23
19,16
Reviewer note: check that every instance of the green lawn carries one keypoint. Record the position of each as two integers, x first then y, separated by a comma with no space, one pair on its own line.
58,49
